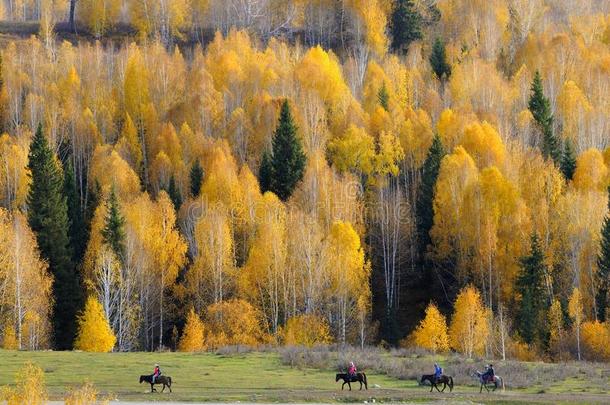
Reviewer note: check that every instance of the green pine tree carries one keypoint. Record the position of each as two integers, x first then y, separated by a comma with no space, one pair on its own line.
568,160
113,232
48,218
532,303
438,61
288,159
196,177
174,193
78,230
383,97
540,108
405,25
265,173
603,272
425,197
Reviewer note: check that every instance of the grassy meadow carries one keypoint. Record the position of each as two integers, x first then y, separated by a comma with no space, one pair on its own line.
297,375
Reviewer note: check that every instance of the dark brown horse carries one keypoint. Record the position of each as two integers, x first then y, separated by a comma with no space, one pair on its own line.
446,380
348,379
166,381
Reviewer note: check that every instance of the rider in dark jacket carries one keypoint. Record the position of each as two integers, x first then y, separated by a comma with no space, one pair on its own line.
489,373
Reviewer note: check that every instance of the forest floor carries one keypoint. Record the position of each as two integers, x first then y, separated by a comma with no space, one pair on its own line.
263,378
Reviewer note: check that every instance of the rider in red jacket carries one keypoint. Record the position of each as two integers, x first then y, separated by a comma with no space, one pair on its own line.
352,369
156,373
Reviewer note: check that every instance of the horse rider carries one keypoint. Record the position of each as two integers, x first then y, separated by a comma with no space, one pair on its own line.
489,373
352,370
156,373
438,372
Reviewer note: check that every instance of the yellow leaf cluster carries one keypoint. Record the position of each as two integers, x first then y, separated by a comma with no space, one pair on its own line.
192,339
307,330
469,328
431,333
595,338
94,332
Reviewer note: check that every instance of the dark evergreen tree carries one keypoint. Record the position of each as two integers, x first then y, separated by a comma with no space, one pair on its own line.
174,193
48,218
532,303
288,159
383,97
113,232
425,198
196,177
265,173
568,160
438,61
77,231
603,271
405,24
540,108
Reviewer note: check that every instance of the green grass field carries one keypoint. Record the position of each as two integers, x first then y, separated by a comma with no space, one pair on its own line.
252,377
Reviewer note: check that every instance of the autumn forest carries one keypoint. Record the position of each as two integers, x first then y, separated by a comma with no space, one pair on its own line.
192,174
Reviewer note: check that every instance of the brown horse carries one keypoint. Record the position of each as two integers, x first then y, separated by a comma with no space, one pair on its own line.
348,379
166,381
446,380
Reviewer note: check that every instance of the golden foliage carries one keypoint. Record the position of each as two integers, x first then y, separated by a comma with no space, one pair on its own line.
595,338
87,394
192,339
9,339
94,333
307,330
233,322
431,333
29,387
469,327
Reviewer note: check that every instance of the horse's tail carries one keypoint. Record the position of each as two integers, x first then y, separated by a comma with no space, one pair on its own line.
450,383
366,385
169,381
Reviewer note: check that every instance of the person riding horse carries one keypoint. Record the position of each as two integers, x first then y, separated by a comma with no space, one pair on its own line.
438,372
156,373
489,374
352,370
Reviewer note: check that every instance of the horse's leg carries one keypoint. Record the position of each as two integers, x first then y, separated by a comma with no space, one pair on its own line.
349,384
344,382
152,388
360,385
444,386
481,390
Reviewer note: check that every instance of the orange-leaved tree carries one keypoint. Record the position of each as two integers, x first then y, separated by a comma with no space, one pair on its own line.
431,334
307,330
469,327
94,333
192,339
234,322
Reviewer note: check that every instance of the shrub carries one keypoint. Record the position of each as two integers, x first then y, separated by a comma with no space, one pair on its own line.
84,395
596,340
29,387
431,333
234,322
193,335
94,333
9,341
307,330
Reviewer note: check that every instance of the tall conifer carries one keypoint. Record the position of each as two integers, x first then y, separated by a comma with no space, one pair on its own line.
48,218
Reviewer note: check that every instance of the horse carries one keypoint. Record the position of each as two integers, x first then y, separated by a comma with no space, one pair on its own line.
446,380
347,379
497,381
165,380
